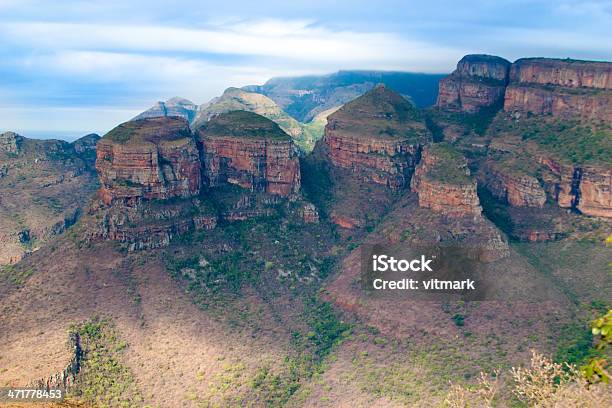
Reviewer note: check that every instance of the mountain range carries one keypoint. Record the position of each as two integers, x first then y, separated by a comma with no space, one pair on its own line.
218,265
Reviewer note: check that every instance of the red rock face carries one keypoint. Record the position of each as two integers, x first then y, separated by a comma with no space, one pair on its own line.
453,197
386,162
162,166
559,102
565,73
561,88
255,164
251,151
377,136
518,190
586,188
478,82
596,192
344,221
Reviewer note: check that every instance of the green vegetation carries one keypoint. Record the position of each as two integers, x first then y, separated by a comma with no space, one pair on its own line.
572,140
104,380
151,130
242,123
450,166
15,274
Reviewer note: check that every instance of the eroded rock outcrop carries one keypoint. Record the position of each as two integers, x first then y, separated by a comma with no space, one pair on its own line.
248,150
154,158
560,88
478,82
378,136
151,225
512,186
443,182
586,188
9,142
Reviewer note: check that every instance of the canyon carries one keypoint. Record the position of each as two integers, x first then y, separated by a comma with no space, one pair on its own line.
226,239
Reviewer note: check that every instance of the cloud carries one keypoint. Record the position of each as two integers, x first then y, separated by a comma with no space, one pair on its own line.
294,40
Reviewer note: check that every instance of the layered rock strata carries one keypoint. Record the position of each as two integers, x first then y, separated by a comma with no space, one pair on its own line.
444,184
560,88
516,188
586,188
478,82
250,151
155,158
378,136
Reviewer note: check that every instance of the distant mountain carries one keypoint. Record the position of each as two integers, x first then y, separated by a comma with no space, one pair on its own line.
233,99
176,106
306,96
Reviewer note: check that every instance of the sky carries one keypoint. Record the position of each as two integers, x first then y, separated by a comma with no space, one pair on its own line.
68,68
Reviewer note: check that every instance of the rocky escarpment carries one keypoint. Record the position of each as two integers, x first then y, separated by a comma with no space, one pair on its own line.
151,224
511,185
586,188
44,185
155,158
143,164
478,82
248,150
443,182
158,182
378,137
561,88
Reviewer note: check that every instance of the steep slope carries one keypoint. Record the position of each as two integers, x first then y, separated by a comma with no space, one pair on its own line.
367,156
251,151
44,186
562,88
179,107
548,149
478,82
305,97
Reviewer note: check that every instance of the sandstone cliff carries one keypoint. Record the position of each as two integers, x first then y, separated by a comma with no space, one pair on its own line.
511,185
478,82
155,158
443,182
587,188
378,136
561,88
248,150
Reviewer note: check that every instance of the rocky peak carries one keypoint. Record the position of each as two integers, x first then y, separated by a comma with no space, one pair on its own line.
235,99
153,158
478,82
443,182
483,66
251,151
176,106
378,136
86,143
10,141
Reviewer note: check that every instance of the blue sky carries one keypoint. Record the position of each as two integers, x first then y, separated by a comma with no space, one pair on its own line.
72,67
